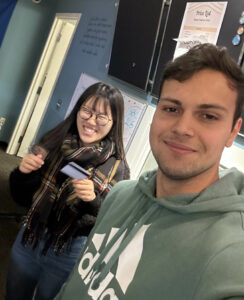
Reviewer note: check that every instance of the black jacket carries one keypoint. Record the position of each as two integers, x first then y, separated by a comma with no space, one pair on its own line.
23,186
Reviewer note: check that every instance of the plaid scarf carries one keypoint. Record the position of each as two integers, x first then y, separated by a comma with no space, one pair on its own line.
56,213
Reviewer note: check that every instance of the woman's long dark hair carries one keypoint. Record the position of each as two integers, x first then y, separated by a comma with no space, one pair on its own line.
53,139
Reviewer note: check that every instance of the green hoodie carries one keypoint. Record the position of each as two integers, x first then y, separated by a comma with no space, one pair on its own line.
176,248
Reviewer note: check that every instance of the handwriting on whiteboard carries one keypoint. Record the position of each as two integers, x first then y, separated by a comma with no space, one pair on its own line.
96,36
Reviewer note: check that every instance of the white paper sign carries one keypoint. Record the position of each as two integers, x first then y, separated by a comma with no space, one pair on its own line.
201,24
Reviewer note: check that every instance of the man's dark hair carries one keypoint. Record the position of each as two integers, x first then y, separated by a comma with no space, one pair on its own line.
207,56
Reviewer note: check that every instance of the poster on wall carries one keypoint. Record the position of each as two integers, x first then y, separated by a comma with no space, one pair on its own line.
134,108
6,10
201,24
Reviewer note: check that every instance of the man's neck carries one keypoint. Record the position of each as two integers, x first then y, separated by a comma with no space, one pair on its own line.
168,187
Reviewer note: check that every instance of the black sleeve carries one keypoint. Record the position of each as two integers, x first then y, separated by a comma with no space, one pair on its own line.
122,173
23,186
90,207
126,171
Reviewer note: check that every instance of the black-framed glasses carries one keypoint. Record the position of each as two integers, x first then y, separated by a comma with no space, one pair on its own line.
101,119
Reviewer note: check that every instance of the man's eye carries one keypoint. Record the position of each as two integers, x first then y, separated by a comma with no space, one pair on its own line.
169,109
209,117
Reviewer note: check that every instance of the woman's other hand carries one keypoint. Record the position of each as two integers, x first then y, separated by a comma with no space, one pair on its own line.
84,189
31,163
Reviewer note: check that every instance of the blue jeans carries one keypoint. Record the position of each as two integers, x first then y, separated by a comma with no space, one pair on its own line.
33,276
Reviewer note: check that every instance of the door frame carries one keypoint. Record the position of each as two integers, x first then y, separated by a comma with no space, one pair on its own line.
29,103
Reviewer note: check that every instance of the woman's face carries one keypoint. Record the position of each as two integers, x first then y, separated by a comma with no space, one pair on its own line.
88,121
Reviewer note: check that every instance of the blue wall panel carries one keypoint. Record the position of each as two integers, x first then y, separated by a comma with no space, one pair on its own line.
6,10
89,53
19,55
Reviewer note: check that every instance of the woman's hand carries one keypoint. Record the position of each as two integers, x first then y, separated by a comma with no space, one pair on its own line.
84,189
31,163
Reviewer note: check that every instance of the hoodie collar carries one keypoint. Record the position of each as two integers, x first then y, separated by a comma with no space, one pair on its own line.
215,198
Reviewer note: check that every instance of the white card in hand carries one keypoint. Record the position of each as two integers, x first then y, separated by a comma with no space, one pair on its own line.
75,171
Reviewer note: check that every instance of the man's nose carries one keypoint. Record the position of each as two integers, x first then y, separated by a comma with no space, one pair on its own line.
184,125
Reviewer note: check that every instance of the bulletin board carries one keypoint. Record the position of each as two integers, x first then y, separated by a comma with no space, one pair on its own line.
227,32
134,108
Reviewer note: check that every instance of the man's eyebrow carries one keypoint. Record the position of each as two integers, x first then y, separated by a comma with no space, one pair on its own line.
175,101
214,106
201,106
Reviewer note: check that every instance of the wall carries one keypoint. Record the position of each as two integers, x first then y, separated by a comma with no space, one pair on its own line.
233,157
96,27
22,47
19,54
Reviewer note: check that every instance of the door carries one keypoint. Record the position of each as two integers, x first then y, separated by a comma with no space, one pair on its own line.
43,83
46,88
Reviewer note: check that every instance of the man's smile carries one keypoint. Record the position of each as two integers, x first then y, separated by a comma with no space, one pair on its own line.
179,148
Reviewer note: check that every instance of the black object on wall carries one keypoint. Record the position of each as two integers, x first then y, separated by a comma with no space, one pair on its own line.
227,32
134,41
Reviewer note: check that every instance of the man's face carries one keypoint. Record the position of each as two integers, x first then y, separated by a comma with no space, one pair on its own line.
192,124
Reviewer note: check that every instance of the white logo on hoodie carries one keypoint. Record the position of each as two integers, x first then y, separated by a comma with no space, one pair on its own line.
127,263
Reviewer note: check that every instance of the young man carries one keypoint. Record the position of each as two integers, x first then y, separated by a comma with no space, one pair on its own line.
177,232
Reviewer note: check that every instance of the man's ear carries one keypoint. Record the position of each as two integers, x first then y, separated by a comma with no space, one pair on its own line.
234,132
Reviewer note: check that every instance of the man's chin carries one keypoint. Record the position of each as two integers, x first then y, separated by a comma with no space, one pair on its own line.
180,174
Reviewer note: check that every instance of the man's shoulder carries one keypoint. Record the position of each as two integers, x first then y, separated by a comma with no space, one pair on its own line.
123,187
123,194
126,183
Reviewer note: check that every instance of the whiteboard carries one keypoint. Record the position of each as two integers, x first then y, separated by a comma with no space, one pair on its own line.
134,108
139,149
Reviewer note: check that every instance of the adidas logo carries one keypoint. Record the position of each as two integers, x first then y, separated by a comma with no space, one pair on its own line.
128,262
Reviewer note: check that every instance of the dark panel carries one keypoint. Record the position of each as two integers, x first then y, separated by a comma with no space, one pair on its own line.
228,30
134,40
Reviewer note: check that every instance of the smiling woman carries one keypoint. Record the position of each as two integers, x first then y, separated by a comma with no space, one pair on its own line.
92,129
63,210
